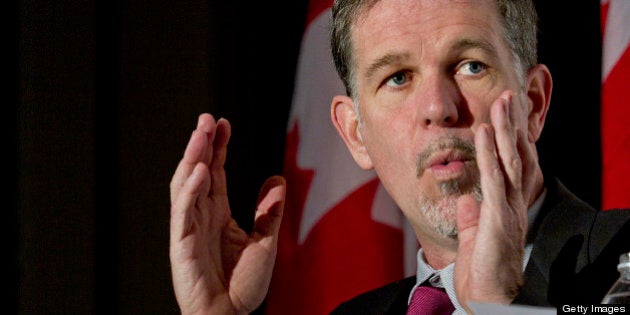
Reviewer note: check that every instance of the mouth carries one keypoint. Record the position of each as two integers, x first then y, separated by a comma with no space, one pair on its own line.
446,158
449,164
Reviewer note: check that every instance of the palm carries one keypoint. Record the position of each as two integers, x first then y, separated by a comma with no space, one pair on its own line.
216,266
492,234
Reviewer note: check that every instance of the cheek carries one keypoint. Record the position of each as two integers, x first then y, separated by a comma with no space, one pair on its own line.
478,106
479,112
390,145
482,87
479,95
383,130
386,145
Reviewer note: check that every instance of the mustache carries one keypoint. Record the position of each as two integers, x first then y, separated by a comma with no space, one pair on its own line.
464,148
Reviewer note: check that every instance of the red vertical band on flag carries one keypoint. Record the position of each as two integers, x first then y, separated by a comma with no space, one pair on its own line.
615,107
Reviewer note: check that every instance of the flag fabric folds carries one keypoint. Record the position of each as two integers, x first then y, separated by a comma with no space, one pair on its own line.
341,234
615,106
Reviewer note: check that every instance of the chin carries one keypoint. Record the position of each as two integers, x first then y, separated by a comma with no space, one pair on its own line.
441,213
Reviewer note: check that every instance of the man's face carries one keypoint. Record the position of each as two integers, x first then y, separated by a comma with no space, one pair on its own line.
427,74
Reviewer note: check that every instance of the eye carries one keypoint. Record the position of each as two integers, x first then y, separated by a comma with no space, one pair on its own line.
472,68
398,79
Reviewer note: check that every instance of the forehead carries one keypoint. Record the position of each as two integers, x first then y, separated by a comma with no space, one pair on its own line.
414,25
404,11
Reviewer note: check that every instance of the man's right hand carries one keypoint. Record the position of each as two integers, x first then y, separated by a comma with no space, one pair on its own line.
216,267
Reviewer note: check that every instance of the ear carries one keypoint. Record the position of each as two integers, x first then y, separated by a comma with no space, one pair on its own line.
346,121
538,85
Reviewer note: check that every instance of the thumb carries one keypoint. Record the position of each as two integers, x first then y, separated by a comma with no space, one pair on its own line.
270,207
467,218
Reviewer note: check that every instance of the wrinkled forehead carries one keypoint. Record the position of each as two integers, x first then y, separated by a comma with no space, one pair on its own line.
400,9
390,23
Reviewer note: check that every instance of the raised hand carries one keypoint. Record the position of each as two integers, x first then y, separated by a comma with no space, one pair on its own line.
217,268
489,262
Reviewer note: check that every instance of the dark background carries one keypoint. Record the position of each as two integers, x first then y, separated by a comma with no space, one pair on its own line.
105,98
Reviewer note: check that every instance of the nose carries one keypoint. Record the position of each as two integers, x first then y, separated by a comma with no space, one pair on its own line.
439,98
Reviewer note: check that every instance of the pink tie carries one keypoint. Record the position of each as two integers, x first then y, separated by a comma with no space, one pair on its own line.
428,300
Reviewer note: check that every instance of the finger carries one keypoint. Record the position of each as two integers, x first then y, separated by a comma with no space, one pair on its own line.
195,151
217,162
192,155
183,207
491,174
270,207
206,123
529,162
223,132
506,139
208,126
467,218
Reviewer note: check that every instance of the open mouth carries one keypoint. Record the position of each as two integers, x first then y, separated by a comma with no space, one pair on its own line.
446,157
448,164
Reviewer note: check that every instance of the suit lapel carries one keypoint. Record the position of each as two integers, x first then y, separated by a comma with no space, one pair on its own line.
563,218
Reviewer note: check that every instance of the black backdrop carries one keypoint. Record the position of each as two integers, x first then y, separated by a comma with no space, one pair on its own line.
108,92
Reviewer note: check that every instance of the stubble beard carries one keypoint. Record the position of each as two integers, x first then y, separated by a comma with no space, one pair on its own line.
441,211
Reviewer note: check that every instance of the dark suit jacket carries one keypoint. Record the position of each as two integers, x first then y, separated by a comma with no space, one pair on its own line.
573,260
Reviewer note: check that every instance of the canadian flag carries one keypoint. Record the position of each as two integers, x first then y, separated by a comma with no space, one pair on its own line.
615,107
341,234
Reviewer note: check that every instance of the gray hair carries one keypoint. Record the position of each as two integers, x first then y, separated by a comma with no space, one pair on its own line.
519,20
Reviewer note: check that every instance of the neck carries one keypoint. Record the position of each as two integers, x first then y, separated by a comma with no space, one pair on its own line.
439,253
537,187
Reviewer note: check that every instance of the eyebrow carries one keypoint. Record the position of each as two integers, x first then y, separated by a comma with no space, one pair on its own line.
383,62
458,46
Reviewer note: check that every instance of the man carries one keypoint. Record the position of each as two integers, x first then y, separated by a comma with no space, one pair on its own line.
445,101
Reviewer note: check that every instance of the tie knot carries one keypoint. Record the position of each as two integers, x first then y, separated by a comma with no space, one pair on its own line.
428,300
